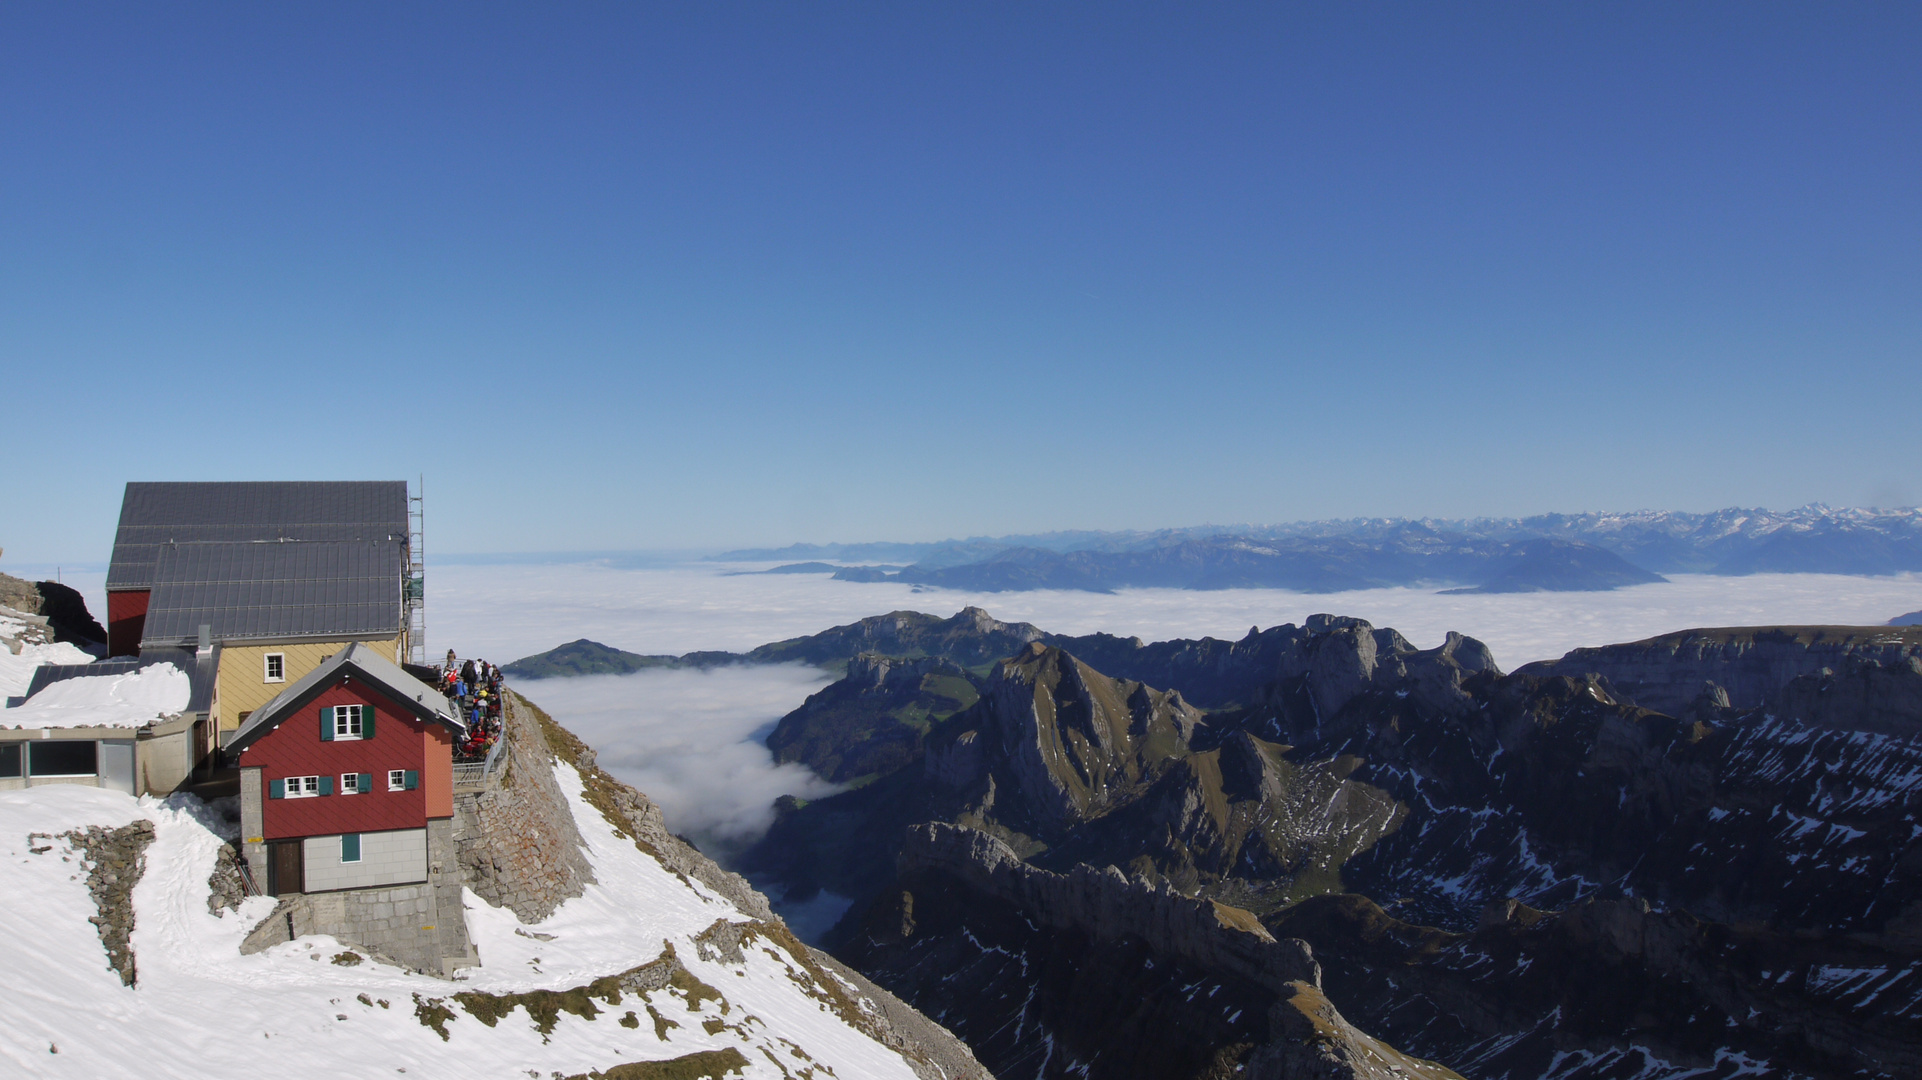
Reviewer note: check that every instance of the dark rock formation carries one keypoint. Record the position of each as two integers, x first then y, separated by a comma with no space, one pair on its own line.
64,608
1749,663
1618,989
1766,814
1094,974
873,720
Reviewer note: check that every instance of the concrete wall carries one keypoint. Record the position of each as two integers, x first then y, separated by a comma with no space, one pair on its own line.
165,759
386,858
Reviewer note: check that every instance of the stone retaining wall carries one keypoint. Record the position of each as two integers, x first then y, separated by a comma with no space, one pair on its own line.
515,840
423,927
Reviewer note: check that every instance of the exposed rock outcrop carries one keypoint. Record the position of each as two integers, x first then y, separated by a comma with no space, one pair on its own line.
1094,974
63,607
874,719
1750,663
114,860
517,842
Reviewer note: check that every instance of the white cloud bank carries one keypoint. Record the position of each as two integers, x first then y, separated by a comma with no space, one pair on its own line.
506,612
691,740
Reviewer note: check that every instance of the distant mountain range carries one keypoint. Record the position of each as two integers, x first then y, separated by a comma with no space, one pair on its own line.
1551,552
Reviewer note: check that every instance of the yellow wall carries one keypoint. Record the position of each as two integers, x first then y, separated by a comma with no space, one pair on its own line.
242,686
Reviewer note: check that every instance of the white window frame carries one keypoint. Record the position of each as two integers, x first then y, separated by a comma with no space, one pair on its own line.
350,783
267,665
300,787
396,779
347,723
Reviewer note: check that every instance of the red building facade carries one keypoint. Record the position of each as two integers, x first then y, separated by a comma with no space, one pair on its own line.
347,778
422,751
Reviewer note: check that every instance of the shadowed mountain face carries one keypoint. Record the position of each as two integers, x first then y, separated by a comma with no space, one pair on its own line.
873,721
1731,881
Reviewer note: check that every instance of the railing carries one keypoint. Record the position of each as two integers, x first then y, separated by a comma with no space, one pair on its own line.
473,775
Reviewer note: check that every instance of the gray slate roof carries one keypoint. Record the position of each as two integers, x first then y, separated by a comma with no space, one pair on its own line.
155,514
423,700
329,590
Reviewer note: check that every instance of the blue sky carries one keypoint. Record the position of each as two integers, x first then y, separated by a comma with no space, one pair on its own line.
626,276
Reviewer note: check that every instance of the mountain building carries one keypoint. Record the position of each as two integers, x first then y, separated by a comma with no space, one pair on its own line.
347,785
272,577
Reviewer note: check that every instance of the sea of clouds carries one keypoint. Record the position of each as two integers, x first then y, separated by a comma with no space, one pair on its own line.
691,739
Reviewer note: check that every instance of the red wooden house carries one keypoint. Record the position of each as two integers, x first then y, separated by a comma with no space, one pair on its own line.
347,778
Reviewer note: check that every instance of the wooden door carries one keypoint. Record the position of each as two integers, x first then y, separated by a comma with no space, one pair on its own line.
286,868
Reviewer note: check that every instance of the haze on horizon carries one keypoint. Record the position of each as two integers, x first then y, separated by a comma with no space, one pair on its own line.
728,275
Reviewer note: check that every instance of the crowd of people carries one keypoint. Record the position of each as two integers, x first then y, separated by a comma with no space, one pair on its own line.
474,686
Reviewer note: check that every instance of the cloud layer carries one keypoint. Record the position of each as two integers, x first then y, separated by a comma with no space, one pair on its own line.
505,612
691,740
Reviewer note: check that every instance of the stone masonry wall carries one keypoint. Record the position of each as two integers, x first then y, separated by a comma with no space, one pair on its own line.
399,924
516,843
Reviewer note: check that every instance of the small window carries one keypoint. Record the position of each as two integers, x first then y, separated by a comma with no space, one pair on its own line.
350,847
347,722
303,787
9,759
276,667
63,757
349,783
397,780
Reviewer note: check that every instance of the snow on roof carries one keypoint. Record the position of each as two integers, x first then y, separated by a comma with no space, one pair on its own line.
16,670
129,700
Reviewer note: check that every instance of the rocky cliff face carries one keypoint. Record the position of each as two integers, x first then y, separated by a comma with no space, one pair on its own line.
1774,807
1669,673
1616,989
1092,973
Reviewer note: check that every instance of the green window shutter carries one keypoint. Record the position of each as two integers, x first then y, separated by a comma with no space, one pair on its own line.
326,785
366,721
350,847
327,723
276,789
413,779
366,782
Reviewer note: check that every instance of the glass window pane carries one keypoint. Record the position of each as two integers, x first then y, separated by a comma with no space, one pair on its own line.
62,757
10,759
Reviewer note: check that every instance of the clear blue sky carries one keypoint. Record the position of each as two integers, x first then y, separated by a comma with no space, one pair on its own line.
716,274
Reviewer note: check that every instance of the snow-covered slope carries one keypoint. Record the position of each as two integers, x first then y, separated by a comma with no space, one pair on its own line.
199,1008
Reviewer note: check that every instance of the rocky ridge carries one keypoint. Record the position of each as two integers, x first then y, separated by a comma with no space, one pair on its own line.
1775,837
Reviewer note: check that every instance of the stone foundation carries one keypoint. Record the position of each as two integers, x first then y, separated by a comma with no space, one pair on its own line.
422,926
515,840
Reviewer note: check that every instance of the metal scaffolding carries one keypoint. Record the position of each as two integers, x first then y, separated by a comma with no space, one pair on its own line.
416,574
